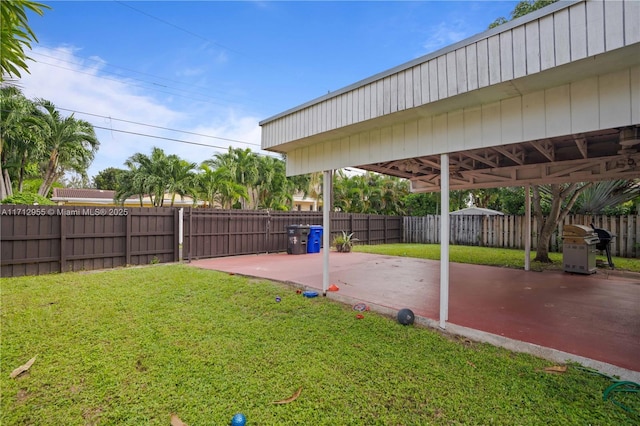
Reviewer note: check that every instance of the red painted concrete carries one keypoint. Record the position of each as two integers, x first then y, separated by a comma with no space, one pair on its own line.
593,316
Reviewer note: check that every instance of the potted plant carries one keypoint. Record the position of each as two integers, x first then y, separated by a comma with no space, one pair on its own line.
344,242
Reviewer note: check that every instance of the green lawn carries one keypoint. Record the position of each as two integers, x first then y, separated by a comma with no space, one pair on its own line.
132,346
491,256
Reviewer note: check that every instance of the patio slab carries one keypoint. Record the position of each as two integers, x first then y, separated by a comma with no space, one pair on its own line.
594,317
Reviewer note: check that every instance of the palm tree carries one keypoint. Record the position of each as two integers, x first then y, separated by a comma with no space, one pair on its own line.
181,179
71,144
15,35
242,166
207,184
606,194
130,182
247,172
148,175
274,190
230,192
20,145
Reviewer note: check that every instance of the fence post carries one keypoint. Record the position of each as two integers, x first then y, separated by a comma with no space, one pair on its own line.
176,234
385,229
127,244
63,241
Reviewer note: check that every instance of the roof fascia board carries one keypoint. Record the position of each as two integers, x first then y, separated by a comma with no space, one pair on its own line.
473,39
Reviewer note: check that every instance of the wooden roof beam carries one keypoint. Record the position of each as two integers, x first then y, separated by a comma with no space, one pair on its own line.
513,153
545,147
581,143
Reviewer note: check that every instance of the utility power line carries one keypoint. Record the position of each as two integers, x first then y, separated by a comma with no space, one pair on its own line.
154,85
159,127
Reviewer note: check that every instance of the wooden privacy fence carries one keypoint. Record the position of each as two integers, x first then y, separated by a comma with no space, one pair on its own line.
510,231
44,239
39,240
216,233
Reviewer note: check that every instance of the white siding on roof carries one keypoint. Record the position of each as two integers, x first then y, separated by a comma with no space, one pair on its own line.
587,105
562,42
595,27
634,82
614,27
472,125
519,53
615,99
631,27
571,33
578,31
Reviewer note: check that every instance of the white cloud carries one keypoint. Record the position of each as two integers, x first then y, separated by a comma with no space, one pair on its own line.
445,34
117,104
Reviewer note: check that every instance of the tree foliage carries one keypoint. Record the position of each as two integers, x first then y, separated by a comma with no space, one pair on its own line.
16,35
37,141
155,176
521,9
107,178
604,196
70,144
28,198
18,141
369,193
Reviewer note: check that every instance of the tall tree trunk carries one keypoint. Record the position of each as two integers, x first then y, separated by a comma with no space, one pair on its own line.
49,175
546,225
5,180
5,184
23,164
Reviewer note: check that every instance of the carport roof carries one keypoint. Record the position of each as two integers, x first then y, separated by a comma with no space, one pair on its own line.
551,97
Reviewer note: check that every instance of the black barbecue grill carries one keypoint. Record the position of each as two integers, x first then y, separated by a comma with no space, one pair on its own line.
605,242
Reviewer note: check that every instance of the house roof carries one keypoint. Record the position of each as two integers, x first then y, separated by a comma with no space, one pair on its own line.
83,193
107,196
476,211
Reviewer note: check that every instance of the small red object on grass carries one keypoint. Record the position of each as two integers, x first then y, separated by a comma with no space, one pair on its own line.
359,316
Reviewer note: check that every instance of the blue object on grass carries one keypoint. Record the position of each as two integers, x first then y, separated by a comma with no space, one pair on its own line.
239,420
309,293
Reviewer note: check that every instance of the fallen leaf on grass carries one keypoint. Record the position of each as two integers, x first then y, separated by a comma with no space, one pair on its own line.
556,369
290,399
471,364
18,371
175,420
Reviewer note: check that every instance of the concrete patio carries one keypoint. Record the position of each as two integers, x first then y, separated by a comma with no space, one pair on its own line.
591,319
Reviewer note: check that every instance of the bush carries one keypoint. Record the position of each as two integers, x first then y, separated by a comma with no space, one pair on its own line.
28,198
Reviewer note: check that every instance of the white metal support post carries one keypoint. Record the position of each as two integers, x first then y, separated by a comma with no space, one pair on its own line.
444,240
326,228
527,219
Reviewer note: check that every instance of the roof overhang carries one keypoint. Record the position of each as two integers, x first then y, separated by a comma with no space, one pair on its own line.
571,69
576,158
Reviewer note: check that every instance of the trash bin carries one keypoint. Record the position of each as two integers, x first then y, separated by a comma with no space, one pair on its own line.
297,236
315,239
579,249
604,244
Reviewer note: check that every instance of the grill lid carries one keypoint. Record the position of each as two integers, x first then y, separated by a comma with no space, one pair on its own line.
578,231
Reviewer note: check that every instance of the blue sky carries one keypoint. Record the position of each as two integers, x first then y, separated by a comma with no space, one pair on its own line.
212,70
